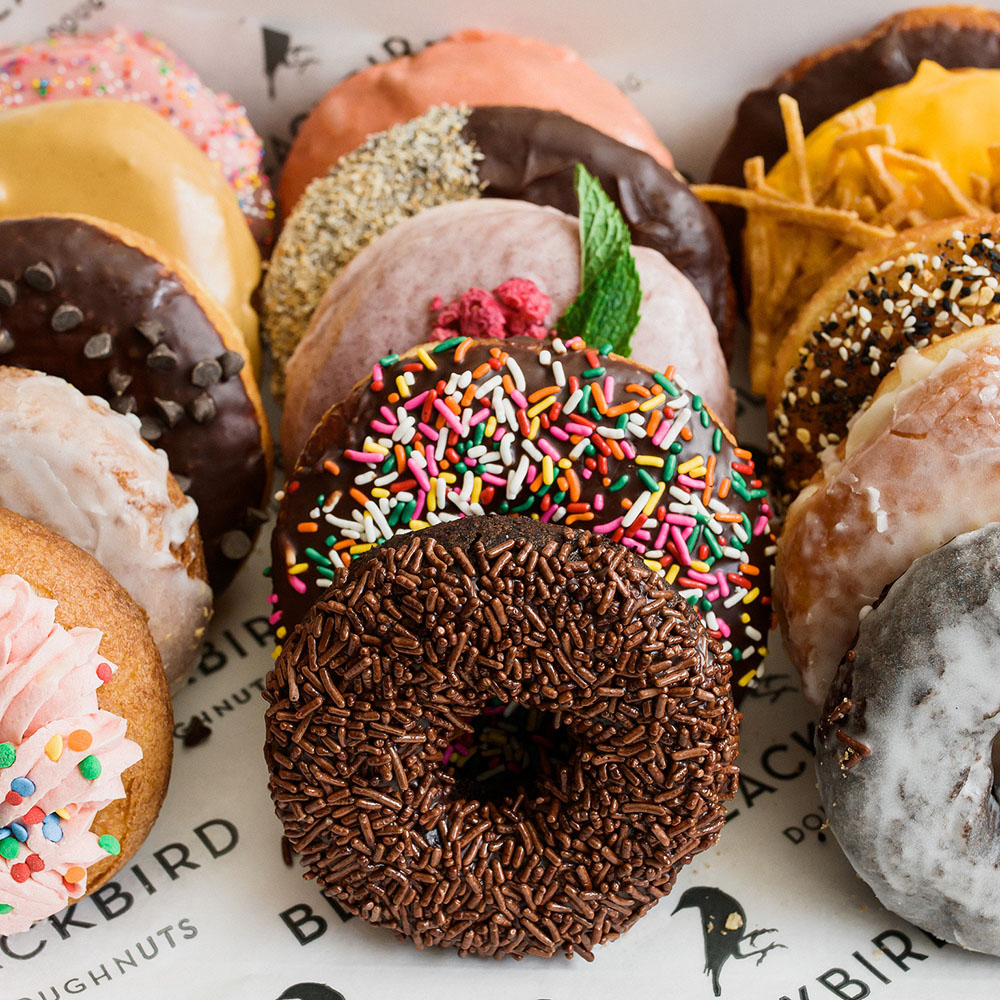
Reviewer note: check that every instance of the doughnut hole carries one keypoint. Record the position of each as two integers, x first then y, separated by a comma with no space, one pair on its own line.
508,753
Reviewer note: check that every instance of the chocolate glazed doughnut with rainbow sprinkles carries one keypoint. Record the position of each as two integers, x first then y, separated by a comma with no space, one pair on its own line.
414,641
553,430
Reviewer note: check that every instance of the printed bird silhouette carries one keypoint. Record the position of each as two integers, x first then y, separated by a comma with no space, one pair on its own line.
310,991
723,924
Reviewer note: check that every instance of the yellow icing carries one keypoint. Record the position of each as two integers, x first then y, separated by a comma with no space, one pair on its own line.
122,162
949,116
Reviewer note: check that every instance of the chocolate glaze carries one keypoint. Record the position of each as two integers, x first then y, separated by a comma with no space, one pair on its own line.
834,82
530,154
347,425
116,287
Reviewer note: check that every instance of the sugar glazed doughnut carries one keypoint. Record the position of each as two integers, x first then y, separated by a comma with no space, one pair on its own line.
411,642
82,698
561,432
109,312
71,463
919,466
904,750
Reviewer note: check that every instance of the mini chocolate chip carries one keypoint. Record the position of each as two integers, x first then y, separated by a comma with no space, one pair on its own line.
6,341
98,347
8,292
124,404
171,411
202,408
206,373
196,732
40,277
66,317
232,363
235,545
151,329
119,381
150,428
254,516
161,358
184,482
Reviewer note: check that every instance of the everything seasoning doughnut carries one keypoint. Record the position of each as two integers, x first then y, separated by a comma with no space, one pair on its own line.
904,749
409,646
105,310
898,296
450,154
560,432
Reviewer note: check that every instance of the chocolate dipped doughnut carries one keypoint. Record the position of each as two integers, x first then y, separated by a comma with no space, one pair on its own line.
900,295
85,722
482,243
449,154
109,312
409,645
920,465
71,463
905,749
560,432
825,83
468,67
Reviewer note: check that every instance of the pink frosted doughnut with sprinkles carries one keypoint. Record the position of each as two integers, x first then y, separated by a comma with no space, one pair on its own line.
556,431
61,757
131,66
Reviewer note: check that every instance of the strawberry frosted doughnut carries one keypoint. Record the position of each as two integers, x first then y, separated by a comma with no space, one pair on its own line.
380,303
469,67
919,466
131,66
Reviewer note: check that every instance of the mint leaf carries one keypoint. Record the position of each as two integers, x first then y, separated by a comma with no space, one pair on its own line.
607,309
603,233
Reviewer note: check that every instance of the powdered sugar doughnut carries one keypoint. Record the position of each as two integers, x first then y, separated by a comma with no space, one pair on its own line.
131,66
70,462
904,752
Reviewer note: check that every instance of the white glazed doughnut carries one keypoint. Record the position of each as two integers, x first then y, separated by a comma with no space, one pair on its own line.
919,466
71,463
904,752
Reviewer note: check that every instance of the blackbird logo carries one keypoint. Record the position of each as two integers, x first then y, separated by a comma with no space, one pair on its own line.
310,991
279,51
770,686
723,925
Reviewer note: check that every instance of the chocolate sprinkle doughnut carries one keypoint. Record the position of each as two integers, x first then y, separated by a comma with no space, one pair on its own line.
904,749
100,307
411,643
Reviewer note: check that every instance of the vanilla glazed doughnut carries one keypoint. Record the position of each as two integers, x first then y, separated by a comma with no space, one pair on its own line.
86,731
114,315
414,639
450,154
904,752
560,432
70,462
468,67
927,283
920,465
122,162
132,66
481,243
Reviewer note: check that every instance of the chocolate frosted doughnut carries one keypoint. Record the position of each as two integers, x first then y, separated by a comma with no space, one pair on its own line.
904,750
408,647
560,432
105,310
450,154
823,84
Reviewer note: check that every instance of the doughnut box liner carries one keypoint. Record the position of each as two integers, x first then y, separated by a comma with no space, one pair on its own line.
209,907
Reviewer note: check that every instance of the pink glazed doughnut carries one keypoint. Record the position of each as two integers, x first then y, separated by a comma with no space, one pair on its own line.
131,66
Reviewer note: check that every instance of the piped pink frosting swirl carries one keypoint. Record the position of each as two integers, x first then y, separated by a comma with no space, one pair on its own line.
61,757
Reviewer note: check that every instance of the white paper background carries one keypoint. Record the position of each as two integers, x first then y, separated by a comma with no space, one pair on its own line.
185,923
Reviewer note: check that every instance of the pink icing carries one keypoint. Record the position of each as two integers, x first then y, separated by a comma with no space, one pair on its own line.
517,308
48,691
